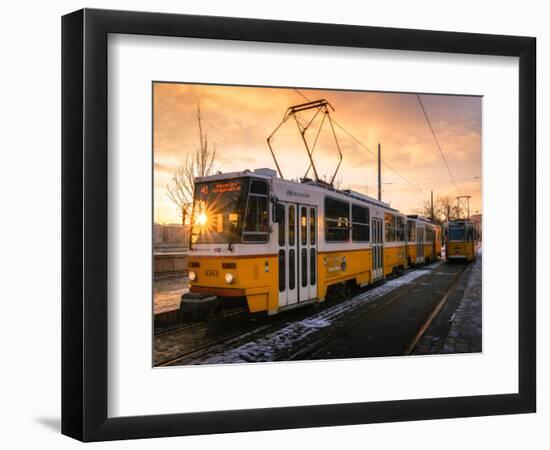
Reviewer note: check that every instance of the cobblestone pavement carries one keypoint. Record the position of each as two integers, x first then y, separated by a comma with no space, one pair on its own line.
167,292
457,328
465,333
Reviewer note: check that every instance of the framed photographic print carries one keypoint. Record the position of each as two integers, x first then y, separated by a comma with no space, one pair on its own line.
273,224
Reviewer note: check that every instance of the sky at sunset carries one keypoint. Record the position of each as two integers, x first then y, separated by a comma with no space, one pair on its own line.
238,120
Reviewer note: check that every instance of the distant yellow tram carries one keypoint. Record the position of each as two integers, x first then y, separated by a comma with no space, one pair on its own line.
271,244
461,240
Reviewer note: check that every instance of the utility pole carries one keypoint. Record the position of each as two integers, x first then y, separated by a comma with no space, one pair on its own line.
432,206
379,174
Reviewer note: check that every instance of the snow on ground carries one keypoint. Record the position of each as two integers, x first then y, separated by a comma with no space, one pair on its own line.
268,346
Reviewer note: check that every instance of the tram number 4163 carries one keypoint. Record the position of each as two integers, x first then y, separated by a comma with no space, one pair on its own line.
211,273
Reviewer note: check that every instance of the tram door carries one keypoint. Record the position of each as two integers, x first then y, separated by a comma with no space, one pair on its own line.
288,291
419,245
307,245
377,249
297,241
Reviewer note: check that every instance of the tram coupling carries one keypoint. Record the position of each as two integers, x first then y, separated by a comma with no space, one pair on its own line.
199,307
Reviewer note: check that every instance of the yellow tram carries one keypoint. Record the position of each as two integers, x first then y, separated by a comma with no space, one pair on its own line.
423,240
461,240
270,244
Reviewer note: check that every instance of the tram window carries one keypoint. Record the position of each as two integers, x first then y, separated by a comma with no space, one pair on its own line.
411,231
429,235
256,222
389,220
304,267
360,229
360,233
281,215
291,226
312,223
282,281
456,233
291,269
312,266
258,187
399,229
303,225
336,220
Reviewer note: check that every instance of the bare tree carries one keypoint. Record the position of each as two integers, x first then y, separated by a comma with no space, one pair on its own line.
425,209
445,209
199,164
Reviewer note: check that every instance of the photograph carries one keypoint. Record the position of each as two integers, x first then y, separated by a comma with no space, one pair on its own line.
296,224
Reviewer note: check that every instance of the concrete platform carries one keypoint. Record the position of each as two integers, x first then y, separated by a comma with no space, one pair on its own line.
167,292
170,263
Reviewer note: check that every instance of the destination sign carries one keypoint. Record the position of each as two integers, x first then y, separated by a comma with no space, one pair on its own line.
227,186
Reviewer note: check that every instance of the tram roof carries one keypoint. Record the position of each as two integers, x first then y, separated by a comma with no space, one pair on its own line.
271,174
460,222
421,218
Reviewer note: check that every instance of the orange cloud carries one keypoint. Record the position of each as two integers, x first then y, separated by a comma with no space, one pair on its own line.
239,119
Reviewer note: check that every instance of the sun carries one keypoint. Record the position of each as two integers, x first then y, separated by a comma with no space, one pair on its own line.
202,218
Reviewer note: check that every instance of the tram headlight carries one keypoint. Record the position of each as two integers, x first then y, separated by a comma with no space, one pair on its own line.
229,278
192,275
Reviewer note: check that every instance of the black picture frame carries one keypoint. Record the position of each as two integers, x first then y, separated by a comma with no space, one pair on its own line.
84,224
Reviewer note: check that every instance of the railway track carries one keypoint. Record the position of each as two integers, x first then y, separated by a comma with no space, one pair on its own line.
192,338
191,341
190,325
216,341
435,311
187,356
384,313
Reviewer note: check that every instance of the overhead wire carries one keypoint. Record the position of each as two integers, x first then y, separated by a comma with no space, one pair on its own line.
429,183
436,141
369,151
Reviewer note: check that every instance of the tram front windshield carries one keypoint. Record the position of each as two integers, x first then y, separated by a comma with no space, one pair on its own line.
218,210
457,233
